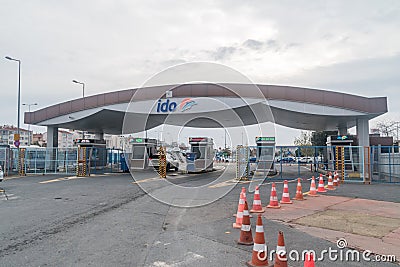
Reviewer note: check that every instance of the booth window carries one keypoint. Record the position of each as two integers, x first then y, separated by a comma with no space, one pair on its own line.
199,150
138,152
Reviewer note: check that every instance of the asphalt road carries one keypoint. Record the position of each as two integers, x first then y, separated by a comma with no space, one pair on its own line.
109,221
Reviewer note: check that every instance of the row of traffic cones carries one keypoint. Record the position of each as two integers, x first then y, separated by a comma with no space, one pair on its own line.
259,255
274,203
260,251
257,206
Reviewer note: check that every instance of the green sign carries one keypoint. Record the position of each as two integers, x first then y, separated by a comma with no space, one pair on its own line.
138,140
265,139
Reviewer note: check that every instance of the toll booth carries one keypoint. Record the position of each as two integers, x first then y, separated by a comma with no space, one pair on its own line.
203,149
96,152
341,156
265,154
143,150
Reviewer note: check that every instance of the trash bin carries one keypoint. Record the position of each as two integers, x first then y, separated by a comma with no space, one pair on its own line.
190,157
124,166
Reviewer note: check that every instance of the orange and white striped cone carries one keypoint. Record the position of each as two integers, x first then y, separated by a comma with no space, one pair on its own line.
321,187
259,255
336,178
280,255
299,191
257,207
242,196
246,238
239,214
309,260
330,183
285,194
313,189
273,200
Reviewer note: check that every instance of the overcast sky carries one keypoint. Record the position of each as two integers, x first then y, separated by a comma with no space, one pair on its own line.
346,46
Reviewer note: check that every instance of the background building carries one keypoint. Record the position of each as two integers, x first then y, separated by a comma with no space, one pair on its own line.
7,135
37,139
65,138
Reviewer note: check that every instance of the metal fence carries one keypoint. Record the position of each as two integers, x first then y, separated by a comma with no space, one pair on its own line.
40,160
362,164
385,164
358,164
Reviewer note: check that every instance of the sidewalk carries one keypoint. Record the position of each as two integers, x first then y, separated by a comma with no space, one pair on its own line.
365,224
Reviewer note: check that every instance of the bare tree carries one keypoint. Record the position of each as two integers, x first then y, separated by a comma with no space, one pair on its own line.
304,143
387,127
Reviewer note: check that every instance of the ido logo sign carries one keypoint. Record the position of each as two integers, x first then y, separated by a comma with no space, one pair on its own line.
171,106
167,106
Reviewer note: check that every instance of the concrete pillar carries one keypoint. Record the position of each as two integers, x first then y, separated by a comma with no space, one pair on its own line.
99,136
52,142
342,130
362,129
52,136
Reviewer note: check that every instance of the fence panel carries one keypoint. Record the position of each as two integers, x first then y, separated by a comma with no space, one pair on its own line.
385,164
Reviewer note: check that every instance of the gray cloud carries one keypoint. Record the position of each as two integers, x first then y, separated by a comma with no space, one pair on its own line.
253,44
223,52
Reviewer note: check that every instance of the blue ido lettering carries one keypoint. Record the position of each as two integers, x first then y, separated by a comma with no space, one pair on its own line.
166,106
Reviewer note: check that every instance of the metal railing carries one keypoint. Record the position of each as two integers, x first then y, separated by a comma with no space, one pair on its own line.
41,160
353,163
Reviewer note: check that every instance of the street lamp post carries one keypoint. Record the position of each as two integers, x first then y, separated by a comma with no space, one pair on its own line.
225,139
29,125
83,95
83,86
19,94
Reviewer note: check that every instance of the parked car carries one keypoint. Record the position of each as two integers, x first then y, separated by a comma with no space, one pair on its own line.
305,160
285,159
173,160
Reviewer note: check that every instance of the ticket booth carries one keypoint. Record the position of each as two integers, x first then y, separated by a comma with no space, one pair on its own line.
143,150
265,154
203,149
340,152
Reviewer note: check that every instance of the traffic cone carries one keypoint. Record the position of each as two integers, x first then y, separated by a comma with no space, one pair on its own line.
313,189
285,194
259,255
309,260
257,207
336,178
330,182
239,215
299,191
273,200
246,238
280,255
242,197
321,187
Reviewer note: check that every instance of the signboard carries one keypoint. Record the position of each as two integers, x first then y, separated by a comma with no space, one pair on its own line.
17,143
265,139
16,137
197,139
85,141
169,105
342,137
137,140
